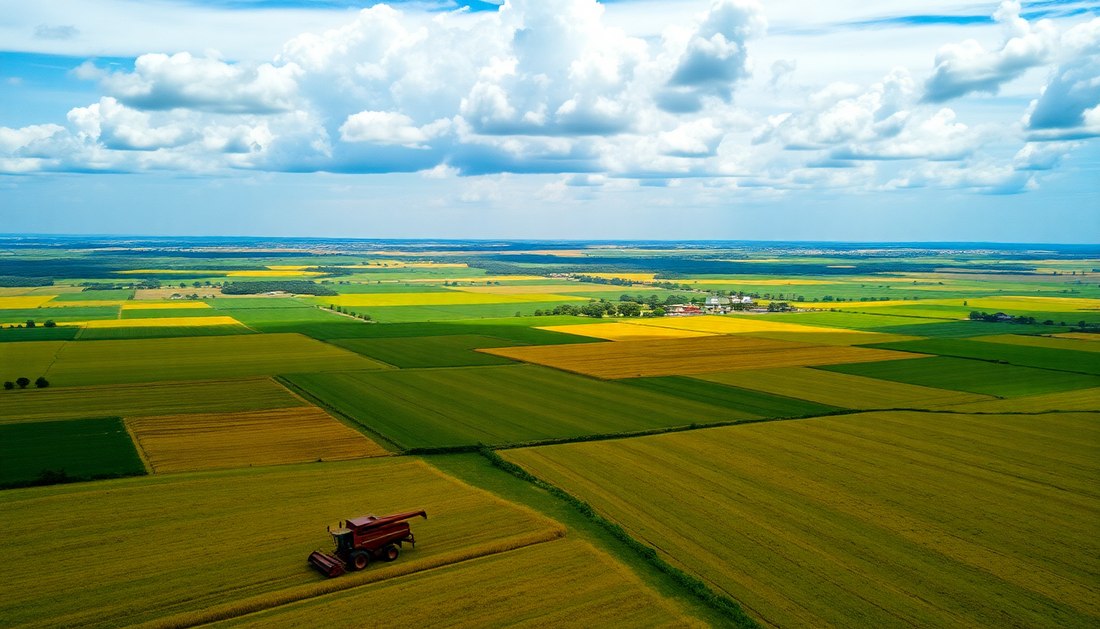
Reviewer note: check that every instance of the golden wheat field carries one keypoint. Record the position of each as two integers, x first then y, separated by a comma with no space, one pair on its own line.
841,390
710,354
564,583
192,548
623,331
886,519
181,443
161,322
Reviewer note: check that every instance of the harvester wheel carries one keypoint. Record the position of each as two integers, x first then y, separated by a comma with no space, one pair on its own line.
389,553
360,559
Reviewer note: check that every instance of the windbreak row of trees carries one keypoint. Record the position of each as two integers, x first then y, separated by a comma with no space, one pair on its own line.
298,287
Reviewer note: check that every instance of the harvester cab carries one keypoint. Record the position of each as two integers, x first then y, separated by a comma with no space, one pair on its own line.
362,540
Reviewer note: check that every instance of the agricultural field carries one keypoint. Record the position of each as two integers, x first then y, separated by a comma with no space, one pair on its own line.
77,447
828,521
975,376
155,331
184,443
1079,400
495,405
1050,342
1057,359
238,539
638,359
428,351
841,389
624,332
720,394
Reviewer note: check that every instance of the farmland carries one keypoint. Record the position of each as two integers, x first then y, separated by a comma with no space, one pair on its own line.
183,443
847,450
825,521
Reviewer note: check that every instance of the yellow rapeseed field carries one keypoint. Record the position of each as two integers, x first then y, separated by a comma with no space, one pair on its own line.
633,277
562,583
270,273
623,332
158,305
886,519
841,390
26,301
196,547
449,298
732,324
709,354
160,322
181,443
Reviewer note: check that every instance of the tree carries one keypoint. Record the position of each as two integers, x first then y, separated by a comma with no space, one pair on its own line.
22,382
9,385
630,309
30,323
658,312
50,324
41,383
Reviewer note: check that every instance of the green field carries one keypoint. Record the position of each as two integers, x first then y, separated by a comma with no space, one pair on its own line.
403,314
169,313
1043,341
522,332
428,351
494,405
61,315
1059,359
139,400
211,545
79,447
887,519
96,295
755,402
189,358
158,332
38,333
961,329
975,376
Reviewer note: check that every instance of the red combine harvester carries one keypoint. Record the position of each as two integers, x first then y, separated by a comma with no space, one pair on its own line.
360,540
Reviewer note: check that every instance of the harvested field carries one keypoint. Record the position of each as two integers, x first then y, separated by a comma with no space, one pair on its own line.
24,301
624,331
742,399
163,322
637,359
889,519
428,351
494,405
840,389
1050,342
237,539
196,358
80,447
449,298
975,376
128,400
1080,400
183,443
565,583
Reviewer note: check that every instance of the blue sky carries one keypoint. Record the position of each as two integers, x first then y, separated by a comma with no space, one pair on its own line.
680,119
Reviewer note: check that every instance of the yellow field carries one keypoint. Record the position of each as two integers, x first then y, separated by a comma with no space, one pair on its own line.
183,443
162,322
27,301
1079,400
888,519
191,548
288,267
623,332
732,324
270,273
633,277
1079,336
1075,344
562,583
543,289
784,282
83,304
635,359
14,291
451,298
841,390
158,305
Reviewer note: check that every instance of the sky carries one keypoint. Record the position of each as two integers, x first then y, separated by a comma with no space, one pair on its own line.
930,120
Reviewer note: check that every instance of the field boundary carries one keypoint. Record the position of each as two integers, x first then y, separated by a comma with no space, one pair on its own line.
721,603
343,418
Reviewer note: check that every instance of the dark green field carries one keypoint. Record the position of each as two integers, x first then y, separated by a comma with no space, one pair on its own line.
68,313
495,405
106,334
38,333
975,376
755,402
170,313
521,334
963,329
1043,357
80,447
429,351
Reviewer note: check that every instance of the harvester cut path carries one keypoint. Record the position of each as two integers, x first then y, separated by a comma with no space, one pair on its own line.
362,540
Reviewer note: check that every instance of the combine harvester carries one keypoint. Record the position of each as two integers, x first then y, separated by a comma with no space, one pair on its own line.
360,540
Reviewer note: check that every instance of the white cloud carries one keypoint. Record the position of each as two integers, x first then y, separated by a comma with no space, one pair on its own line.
1068,106
119,127
385,127
13,139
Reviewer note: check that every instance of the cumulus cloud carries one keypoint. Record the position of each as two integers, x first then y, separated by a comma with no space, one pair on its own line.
160,81
985,176
122,128
385,127
1070,104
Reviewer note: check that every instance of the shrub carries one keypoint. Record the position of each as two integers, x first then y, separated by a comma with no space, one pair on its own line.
50,324
22,382
41,383
9,385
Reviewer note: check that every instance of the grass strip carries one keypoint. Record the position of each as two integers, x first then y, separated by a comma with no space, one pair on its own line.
719,602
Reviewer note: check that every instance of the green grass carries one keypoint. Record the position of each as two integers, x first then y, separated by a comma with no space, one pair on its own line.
96,295
496,405
755,402
428,351
184,358
975,376
104,334
1042,357
68,313
38,333
886,519
144,400
80,447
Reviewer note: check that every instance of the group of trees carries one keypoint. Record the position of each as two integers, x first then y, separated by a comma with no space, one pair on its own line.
91,286
22,383
18,281
298,287
350,313
1000,316
603,308
31,324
